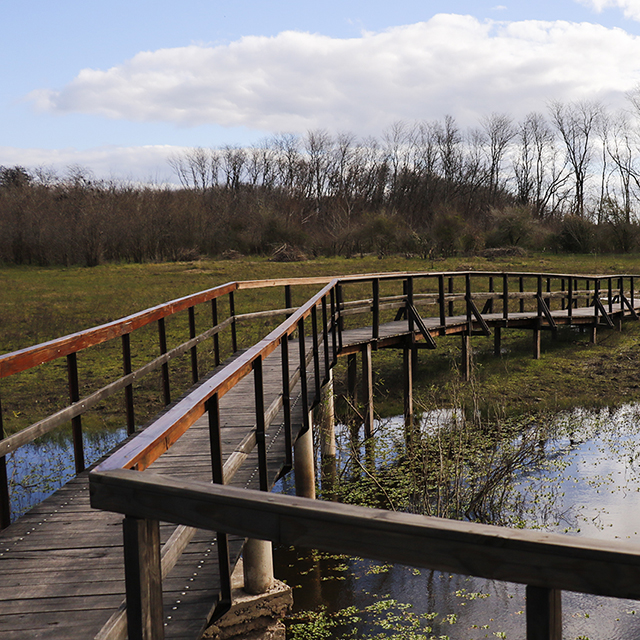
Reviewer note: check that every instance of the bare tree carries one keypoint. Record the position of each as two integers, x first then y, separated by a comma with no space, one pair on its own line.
577,123
499,131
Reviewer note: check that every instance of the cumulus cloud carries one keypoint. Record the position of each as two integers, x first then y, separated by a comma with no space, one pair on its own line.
631,8
451,64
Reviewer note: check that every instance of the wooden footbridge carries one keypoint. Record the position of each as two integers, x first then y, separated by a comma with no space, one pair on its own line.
143,544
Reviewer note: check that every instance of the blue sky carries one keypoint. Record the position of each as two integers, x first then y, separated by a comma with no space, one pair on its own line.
118,86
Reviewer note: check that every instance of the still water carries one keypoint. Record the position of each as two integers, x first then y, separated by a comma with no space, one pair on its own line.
585,481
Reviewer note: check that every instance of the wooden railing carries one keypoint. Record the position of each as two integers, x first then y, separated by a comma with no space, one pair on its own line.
461,302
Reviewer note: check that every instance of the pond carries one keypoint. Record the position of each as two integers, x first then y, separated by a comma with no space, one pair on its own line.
578,473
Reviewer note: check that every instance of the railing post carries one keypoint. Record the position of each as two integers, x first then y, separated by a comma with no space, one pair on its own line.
232,315
521,287
467,296
334,336
194,349
367,380
410,303
143,578
304,462
610,294
340,321
570,300
287,298
216,336
76,423
505,297
325,341
166,387
128,390
451,289
260,424
491,290
562,300
375,325
544,613
316,355
441,305
286,401
212,407
632,292
5,503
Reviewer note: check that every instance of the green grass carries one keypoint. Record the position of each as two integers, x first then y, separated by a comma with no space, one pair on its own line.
40,304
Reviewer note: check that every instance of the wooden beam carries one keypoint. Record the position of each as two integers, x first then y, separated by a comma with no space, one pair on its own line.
538,558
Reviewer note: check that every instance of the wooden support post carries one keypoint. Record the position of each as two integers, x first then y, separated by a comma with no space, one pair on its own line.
536,343
304,464
497,341
544,613
593,334
407,360
367,380
466,356
143,578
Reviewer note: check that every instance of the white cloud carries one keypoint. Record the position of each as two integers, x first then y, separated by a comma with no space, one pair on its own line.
294,81
146,163
631,8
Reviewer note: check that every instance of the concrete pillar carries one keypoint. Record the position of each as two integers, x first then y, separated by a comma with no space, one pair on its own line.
304,463
466,356
367,380
327,423
257,558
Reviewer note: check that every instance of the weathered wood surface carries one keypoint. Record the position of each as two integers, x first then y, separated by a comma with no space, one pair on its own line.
61,564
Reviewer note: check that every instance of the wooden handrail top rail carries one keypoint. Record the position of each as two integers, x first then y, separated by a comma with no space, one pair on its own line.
159,436
538,558
29,357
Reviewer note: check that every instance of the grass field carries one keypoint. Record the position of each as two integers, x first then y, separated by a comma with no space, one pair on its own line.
38,304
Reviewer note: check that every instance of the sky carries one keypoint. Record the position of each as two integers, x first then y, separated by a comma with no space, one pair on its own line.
118,87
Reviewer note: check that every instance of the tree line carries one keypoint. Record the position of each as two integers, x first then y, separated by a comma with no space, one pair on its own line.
565,180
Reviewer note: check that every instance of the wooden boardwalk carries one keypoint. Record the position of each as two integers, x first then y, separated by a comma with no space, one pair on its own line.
62,564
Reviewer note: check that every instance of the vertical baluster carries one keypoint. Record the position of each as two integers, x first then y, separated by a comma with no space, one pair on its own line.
632,293
451,289
410,302
287,298
325,341
521,287
286,401
491,290
544,613
375,326
316,354
303,376
128,390
212,407
467,296
216,336
194,349
505,297
596,296
610,294
621,294
334,337
260,424
570,300
549,291
563,305
5,504
232,315
339,304
441,305
166,385
76,423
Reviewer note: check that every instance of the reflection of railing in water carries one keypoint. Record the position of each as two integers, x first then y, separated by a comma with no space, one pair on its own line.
464,303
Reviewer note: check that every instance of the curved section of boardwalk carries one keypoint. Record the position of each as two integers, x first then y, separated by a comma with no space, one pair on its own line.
62,563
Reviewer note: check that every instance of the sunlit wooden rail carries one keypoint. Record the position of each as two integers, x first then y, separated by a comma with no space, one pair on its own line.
268,390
